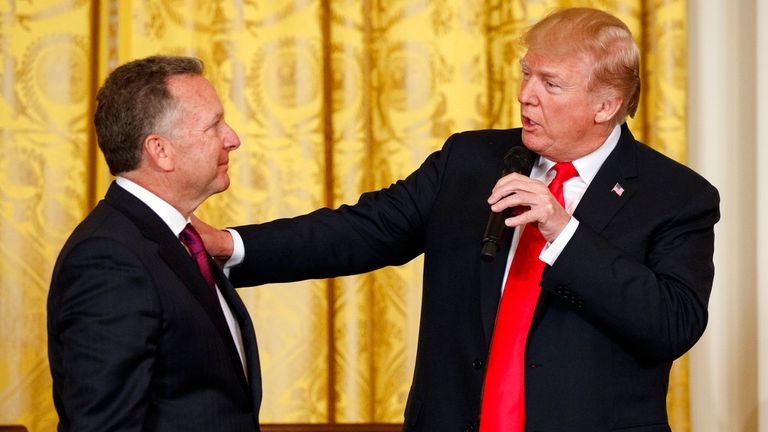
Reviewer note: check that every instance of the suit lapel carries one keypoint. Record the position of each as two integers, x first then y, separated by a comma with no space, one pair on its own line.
247,332
176,257
601,200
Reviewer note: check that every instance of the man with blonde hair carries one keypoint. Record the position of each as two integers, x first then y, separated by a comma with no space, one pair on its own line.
601,283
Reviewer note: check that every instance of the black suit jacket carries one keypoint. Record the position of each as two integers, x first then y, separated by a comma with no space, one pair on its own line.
136,339
626,297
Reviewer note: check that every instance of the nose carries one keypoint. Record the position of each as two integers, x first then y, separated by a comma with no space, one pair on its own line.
231,140
527,95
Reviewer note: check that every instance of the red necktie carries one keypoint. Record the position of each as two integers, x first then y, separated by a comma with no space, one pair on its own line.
192,240
503,407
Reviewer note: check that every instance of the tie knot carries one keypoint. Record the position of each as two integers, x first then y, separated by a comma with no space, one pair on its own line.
564,171
192,240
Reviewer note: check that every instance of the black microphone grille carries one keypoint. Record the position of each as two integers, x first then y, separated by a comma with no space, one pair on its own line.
519,159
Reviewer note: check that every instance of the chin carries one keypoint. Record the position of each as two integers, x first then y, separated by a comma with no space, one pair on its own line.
221,185
531,142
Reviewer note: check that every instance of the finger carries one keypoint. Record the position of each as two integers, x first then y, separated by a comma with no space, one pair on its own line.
523,218
201,227
516,199
532,197
513,183
546,215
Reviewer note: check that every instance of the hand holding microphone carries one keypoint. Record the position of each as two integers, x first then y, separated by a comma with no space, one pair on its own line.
518,160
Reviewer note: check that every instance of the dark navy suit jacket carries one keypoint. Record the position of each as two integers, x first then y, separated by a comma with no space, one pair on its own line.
626,296
136,339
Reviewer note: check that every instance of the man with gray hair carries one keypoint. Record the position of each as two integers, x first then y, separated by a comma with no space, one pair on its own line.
144,332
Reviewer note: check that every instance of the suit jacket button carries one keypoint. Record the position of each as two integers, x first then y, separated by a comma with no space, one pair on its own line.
469,427
477,364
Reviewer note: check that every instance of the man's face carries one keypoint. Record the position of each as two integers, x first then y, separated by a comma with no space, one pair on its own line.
558,113
201,138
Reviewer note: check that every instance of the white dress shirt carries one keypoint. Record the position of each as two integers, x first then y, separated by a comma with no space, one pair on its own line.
176,222
573,190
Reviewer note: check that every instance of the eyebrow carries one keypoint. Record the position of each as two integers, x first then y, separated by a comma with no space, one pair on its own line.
544,73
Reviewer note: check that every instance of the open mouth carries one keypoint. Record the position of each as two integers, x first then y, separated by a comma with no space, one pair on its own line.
528,123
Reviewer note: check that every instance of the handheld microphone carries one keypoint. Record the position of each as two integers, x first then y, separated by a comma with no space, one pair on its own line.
518,160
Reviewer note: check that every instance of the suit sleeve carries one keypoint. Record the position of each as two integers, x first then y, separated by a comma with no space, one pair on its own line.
655,306
106,317
384,228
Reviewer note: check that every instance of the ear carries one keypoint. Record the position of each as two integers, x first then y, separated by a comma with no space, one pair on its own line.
160,152
607,109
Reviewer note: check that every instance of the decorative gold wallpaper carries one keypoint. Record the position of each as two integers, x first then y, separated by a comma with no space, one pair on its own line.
330,98
45,158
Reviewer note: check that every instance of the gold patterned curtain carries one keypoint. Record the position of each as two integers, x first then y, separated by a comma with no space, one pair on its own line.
330,98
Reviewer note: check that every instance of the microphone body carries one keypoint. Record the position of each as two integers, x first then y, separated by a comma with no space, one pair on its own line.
517,160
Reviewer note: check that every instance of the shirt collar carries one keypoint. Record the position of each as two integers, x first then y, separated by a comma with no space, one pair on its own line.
172,217
588,165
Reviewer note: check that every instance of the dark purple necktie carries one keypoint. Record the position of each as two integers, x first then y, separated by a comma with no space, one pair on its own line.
192,240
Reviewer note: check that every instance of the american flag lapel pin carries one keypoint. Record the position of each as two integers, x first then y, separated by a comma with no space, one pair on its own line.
617,189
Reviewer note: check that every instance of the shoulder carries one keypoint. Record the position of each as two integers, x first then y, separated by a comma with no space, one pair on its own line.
663,178
487,137
481,146
660,168
106,258
105,233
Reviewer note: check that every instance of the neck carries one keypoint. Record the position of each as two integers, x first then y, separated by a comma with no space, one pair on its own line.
163,188
596,139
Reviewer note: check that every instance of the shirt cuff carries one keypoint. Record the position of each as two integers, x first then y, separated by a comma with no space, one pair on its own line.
552,251
238,251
